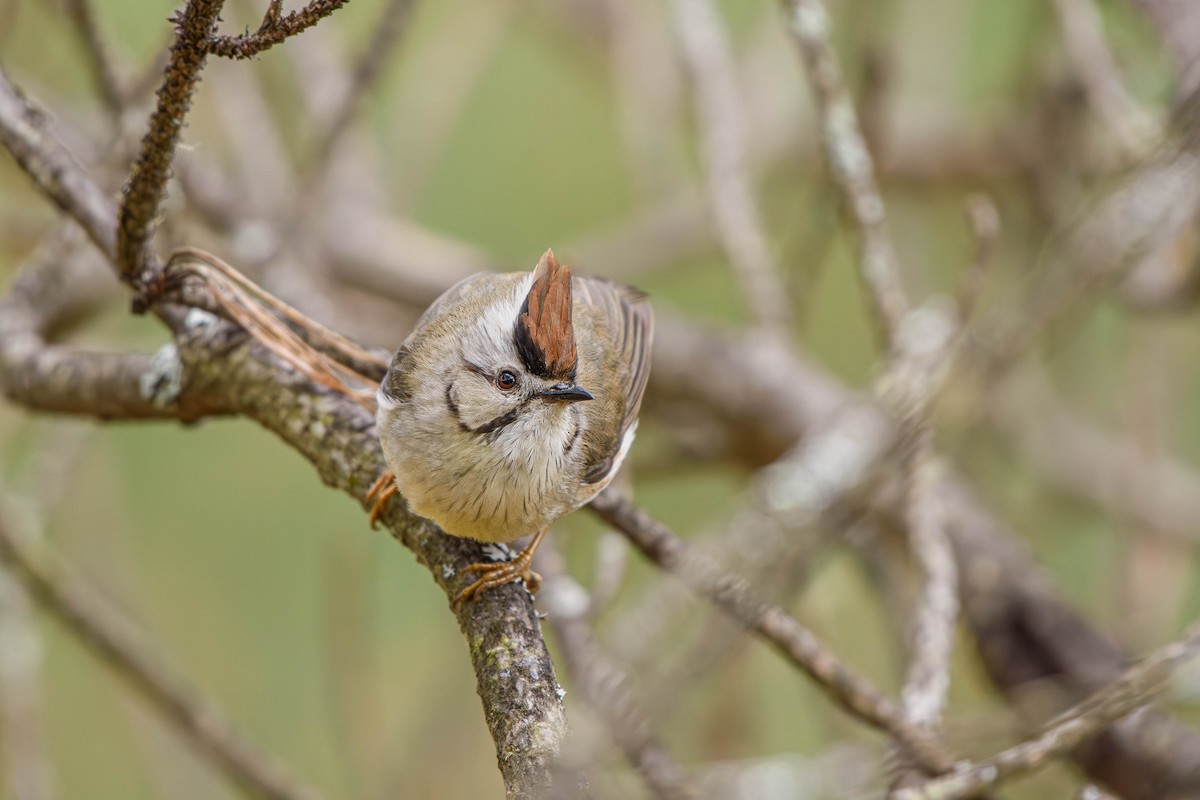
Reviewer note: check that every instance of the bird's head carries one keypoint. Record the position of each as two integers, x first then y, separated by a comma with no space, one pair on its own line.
522,367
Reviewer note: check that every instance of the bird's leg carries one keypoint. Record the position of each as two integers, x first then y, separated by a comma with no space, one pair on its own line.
498,573
382,490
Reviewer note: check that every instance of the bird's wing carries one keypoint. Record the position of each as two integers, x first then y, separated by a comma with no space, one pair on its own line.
624,314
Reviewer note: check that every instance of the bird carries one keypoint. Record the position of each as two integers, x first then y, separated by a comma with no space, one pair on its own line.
512,402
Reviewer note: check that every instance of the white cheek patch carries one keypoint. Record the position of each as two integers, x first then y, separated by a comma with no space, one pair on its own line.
491,341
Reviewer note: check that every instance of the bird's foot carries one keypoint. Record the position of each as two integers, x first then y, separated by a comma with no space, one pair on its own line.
382,490
500,573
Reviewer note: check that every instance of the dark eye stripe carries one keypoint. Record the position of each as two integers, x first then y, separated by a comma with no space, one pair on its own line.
492,425
499,422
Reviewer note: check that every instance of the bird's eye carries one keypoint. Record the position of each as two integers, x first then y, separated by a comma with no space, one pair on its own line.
506,380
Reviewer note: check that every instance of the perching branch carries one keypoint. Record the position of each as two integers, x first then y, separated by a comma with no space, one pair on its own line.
213,369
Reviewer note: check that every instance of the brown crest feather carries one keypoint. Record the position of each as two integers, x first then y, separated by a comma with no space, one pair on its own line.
544,333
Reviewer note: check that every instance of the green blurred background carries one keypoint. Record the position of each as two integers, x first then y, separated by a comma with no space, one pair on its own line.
325,641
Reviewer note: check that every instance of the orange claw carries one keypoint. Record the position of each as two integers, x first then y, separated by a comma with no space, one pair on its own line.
499,573
382,490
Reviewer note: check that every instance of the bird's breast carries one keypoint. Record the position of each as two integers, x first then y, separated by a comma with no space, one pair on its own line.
493,489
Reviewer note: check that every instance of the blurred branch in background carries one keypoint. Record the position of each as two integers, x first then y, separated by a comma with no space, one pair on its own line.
608,687
707,52
1133,689
113,639
359,197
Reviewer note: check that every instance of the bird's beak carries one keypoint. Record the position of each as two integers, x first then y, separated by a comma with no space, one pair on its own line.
565,393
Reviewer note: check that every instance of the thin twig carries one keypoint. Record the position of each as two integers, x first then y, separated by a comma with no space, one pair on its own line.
136,262
850,161
1095,67
922,349
1149,207
114,639
388,32
273,30
1137,687
928,680
606,686
984,220
707,52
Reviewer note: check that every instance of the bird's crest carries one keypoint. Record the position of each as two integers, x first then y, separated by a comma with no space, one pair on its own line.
544,333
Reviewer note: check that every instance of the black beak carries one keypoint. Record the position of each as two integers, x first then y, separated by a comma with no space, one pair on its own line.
565,393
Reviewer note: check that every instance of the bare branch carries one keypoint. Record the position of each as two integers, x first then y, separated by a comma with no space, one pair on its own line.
606,685
795,642
1093,64
136,262
216,368
388,31
1025,631
984,220
62,379
25,133
707,51
273,30
928,679
1138,686
114,639
922,348
850,161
